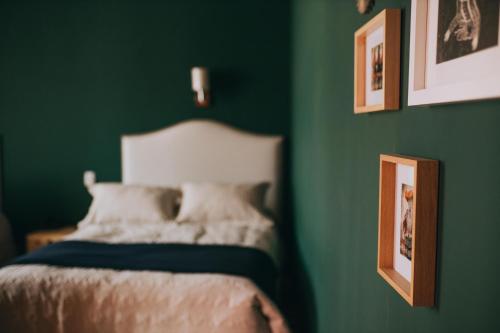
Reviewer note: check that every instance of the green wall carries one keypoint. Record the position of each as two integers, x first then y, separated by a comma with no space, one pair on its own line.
335,186
75,75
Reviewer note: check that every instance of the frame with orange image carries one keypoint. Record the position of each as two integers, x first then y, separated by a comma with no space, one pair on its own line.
407,226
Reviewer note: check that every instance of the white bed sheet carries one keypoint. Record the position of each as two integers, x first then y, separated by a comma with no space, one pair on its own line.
255,234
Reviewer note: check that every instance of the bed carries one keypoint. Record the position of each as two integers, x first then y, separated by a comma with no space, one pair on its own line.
203,272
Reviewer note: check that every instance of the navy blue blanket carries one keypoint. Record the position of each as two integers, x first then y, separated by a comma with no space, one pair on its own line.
178,258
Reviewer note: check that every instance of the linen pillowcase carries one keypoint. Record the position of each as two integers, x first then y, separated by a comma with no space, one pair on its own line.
114,202
206,202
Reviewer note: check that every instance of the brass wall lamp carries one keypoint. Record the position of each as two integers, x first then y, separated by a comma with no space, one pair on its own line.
365,6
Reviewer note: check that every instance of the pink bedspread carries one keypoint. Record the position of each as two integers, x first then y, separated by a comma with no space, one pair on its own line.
38,298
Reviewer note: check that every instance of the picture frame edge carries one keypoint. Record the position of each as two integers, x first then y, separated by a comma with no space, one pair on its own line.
392,91
417,295
489,90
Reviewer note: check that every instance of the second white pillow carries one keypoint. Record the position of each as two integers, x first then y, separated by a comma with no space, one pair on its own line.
205,202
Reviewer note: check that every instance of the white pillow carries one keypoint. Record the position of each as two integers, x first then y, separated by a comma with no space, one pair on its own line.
114,202
205,202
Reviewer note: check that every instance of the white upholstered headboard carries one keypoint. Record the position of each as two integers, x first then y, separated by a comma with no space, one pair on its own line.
203,150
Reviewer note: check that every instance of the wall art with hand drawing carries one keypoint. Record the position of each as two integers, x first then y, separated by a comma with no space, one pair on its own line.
465,27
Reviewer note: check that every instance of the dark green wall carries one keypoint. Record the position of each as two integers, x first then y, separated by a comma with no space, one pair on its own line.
75,75
335,183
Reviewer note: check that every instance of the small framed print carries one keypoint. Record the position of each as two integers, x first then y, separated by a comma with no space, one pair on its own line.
377,63
454,51
407,226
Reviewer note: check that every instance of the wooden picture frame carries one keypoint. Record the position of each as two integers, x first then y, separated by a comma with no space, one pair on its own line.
411,270
473,76
385,93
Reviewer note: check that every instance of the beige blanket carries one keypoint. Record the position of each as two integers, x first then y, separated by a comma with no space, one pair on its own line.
37,298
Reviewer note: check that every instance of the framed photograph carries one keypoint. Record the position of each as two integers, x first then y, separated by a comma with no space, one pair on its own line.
454,51
407,226
376,63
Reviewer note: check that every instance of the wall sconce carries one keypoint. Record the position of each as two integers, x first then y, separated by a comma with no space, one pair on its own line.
200,84
365,6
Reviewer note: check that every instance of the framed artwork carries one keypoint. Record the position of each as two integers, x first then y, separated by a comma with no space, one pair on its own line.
407,226
454,51
376,63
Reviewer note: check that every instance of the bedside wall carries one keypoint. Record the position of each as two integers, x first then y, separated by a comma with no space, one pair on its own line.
335,183
78,74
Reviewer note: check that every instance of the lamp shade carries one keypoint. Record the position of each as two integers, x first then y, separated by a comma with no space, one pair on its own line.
199,79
